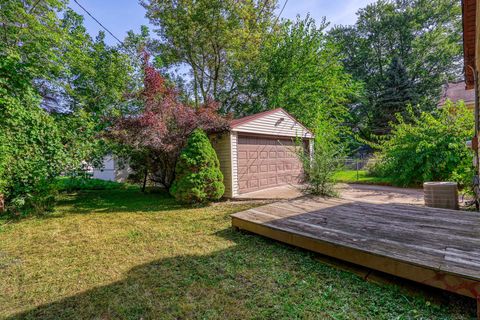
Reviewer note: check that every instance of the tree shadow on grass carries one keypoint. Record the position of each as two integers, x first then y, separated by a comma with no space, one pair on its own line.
255,277
119,200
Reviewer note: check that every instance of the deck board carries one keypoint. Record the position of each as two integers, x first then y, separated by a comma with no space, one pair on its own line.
428,243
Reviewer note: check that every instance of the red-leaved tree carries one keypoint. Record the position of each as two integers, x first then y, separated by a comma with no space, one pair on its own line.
161,130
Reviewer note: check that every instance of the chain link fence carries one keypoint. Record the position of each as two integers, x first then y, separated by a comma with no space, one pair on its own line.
356,164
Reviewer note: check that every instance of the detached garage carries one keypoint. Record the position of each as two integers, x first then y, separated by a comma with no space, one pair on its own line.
259,152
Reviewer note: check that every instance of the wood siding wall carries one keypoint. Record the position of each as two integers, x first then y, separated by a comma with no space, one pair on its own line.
277,124
222,145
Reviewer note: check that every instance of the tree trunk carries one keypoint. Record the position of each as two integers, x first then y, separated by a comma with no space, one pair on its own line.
145,180
2,203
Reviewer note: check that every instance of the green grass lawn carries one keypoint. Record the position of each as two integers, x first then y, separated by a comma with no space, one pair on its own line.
350,176
121,254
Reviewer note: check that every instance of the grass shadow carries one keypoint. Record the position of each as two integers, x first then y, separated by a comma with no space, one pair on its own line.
253,278
116,201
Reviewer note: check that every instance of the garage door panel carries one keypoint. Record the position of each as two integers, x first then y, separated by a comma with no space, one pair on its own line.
266,162
242,169
263,182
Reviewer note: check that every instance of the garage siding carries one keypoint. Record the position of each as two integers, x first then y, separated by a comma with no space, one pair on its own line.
222,145
272,124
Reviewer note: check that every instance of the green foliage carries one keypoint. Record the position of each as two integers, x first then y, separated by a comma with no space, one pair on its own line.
31,32
425,35
85,183
431,148
320,167
212,37
198,178
51,63
95,76
299,70
34,153
396,95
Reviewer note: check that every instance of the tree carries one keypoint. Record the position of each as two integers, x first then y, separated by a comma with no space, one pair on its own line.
161,130
394,98
198,177
212,37
425,35
56,87
299,70
31,35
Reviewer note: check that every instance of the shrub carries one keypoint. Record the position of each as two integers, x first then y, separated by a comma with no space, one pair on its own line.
198,178
320,168
32,154
430,148
85,183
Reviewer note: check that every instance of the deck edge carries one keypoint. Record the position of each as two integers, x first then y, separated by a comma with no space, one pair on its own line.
439,279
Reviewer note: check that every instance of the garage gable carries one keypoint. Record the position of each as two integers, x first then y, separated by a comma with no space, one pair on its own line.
275,122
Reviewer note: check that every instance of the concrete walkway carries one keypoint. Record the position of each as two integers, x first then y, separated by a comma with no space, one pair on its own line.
276,193
358,192
381,194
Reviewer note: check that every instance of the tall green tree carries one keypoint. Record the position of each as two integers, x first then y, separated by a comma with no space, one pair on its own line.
394,98
31,38
425,35
300,70
56,87
210,37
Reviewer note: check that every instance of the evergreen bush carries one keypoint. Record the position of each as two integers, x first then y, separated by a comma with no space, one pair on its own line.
198,178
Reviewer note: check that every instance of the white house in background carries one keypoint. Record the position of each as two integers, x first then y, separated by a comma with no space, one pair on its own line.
113,169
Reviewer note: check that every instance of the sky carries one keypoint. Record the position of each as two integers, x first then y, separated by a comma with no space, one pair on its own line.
120,16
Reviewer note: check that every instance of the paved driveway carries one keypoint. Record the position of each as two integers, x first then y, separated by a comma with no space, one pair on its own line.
381,194
358,192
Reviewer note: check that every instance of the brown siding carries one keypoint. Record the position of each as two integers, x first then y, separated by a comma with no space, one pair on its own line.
469,38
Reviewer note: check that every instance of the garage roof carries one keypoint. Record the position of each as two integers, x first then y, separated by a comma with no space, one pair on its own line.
271,122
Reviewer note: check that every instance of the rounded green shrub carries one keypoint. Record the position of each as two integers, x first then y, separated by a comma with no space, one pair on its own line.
430,147
198,178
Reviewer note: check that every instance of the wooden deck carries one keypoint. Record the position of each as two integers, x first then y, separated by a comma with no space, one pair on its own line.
437,247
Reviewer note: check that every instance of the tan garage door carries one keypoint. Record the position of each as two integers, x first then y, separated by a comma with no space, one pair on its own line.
266,162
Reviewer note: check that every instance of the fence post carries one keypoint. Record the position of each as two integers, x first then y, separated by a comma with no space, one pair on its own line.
356,164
